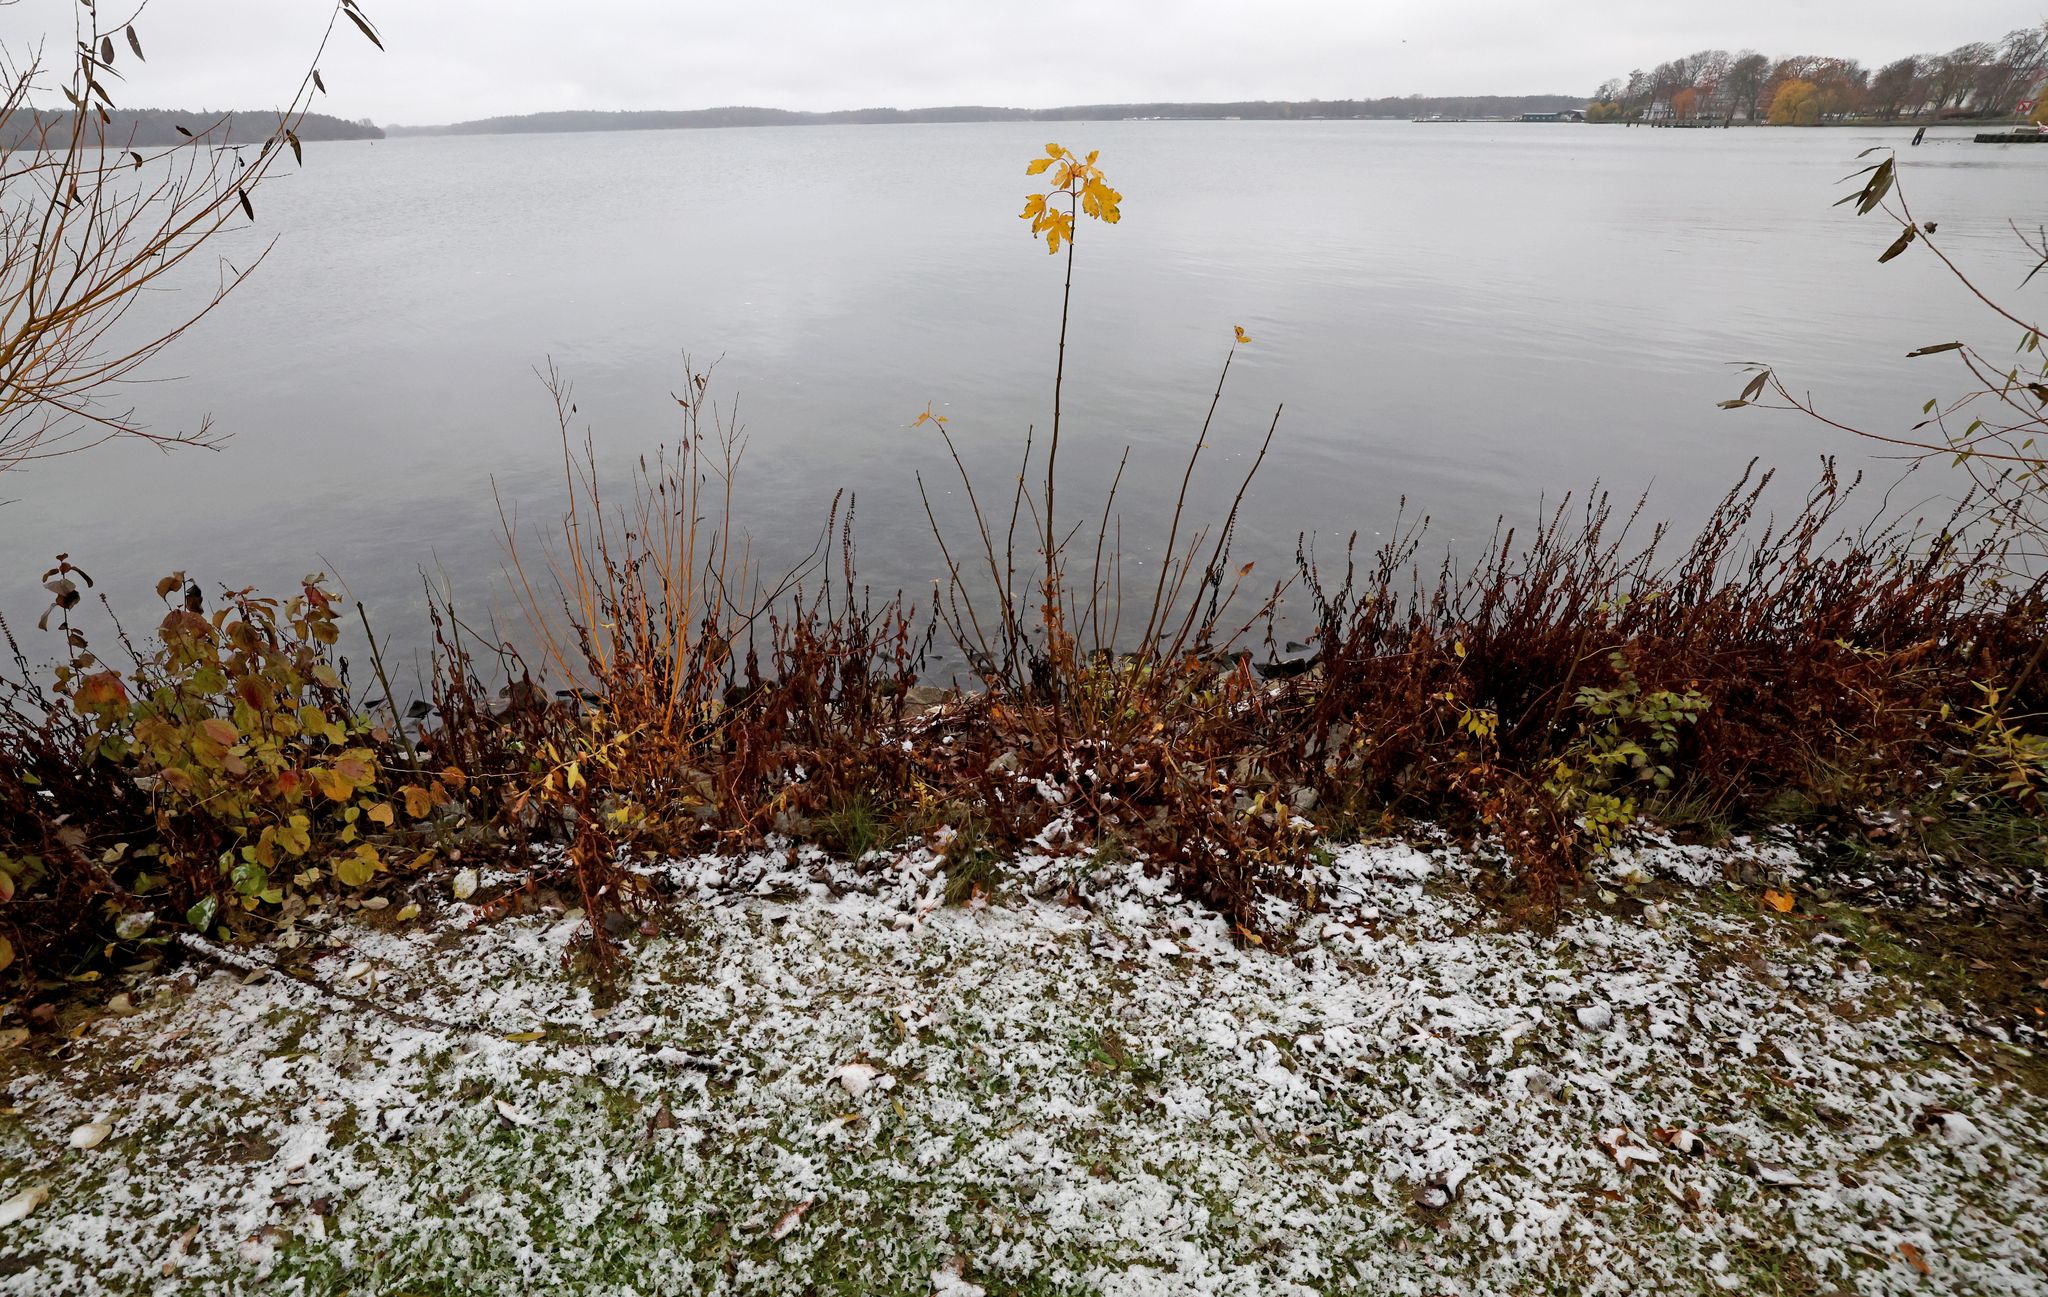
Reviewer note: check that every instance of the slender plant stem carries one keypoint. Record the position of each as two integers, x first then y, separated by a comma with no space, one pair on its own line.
412,756
1051,611
1059,379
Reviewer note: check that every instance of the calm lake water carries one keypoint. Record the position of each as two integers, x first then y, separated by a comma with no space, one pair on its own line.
1474,317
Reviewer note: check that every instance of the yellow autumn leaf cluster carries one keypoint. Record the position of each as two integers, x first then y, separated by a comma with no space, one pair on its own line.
1077,180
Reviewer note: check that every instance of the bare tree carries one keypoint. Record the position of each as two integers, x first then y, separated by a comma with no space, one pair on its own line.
2020,63
1953,76
89,221
1897,87
1746,78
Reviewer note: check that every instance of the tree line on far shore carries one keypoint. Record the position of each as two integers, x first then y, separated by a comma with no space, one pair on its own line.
1978,81
151,128
1249,110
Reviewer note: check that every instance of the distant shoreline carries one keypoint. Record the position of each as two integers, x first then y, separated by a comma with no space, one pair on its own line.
1499,112
1506,106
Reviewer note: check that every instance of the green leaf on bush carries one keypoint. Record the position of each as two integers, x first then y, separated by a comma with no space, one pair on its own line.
354,871
202,915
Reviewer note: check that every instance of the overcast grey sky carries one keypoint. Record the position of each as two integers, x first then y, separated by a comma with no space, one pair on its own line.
454,59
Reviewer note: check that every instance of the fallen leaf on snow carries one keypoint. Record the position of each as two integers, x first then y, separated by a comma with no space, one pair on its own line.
859,1078
1688,1196
1626,1149
950,1280
179,1247
18,1207
790,1220
524,1037
464,885
91,1134
1595,1017
1782,902
1683,1139
1949,1124
1771,1173
1915,1258
1432,1197
511,1114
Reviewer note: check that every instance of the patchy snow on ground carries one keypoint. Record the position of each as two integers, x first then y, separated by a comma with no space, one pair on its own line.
821,1079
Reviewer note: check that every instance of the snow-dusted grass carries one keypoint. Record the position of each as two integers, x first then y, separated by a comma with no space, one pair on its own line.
821,1080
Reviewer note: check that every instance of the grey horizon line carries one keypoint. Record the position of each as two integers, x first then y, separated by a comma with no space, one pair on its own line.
957,107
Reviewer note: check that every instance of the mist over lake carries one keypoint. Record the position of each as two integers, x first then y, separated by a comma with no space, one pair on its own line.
1476,317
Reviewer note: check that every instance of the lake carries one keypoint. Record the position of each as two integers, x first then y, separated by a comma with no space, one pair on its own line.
1476,317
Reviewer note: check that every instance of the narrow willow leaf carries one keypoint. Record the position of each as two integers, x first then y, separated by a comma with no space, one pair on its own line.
1880,185
134,41
363,25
